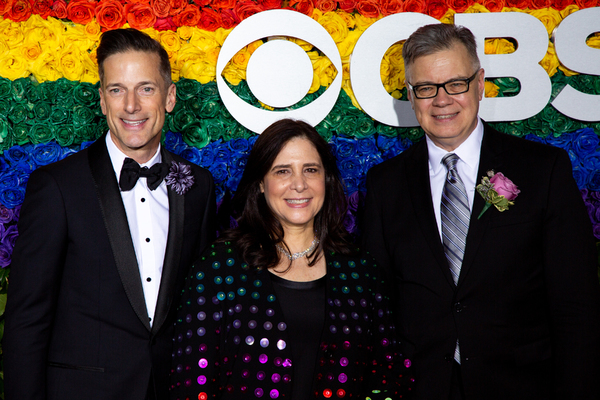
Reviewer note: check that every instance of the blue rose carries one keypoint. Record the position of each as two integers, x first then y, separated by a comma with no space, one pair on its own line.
581,176
591,162
371,160
223,154
366,146
351,184
86,144
174,142
20,157
350,167
11,197
208,154
344,148
534,138
234,180
219,171
46,153
593,180
563,141
192,154
238,145
585,142
66,152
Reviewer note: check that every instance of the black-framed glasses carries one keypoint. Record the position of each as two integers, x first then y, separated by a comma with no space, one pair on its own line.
452,87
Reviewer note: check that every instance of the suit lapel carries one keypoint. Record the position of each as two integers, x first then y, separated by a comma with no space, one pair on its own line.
172,252
420,194
491,148
117,228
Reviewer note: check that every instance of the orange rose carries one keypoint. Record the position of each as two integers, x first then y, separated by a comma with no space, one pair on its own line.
347,5
586,3
161,8
20,11
140,15
270,4
494,5
177,6
368,9
223,4
389,7
59,9
458,6
561,4
165,24
210,20
436,8
326,5
188,17
244,9
538,4
418,6
110,14
81,11
520,4
229,19
5,6
306,7
43,8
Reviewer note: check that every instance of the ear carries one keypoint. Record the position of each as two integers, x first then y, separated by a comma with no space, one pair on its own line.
102,103
262,187
409,93
171,98
481,83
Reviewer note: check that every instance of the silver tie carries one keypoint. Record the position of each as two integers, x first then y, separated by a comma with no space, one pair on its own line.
455,216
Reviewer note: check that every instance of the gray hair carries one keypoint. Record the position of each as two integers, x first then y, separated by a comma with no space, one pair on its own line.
430,39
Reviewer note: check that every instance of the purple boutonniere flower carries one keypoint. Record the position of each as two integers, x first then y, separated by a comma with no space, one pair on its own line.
497,190
180,177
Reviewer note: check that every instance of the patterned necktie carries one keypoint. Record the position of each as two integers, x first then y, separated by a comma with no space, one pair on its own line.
455,216
131,171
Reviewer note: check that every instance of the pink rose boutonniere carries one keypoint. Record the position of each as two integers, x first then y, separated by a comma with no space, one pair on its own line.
497,190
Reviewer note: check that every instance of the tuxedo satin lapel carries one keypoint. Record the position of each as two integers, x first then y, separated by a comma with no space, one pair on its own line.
420,193
490,158
172,252
117,228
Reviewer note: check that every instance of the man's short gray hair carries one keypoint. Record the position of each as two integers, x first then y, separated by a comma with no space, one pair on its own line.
430,39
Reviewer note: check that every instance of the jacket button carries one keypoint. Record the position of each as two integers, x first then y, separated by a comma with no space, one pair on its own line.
448,357
458,307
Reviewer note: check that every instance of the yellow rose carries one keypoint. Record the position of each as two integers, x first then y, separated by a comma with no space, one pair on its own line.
363,22
93,31
194,63
302,43
346,47
550,17
392,68
170,42
491,89
550,61
13,65
347,87
221,34
201,72
594,41
185,32
476,8
90,69
49,34
325,70
254,45
12,33
70,64
316,14
499,46
335,25
348,18
153,33
570,9
233,74
204,40
31,51
45,68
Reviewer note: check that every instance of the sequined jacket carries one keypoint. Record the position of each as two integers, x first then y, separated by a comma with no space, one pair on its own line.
231,340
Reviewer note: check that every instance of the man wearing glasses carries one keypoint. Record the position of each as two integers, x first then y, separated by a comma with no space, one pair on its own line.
493,301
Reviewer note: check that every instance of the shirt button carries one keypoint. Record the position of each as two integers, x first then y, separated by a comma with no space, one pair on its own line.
148,279
142,199
147,240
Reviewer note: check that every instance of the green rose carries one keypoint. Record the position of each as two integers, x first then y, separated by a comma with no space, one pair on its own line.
5,108
59,115
181,120
86,133
19,134
64,89
387,130
347,126
508,87
325,133
414,134
18,90
5,141
48,91
42,111
332,120
215,129
33,92
364,127
187,89
238,131
18,114
196,136
5,88
82,116
85,93
41,133
209,91
64,135
243,92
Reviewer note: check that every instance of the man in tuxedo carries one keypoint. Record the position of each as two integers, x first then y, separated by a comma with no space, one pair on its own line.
490,304
102,255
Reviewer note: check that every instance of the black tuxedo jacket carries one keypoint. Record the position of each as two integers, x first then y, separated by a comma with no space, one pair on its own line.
526,306
76,320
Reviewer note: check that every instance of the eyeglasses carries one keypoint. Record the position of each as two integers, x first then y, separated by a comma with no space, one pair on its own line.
452,87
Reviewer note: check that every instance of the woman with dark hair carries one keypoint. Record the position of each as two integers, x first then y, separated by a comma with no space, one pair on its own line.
281,306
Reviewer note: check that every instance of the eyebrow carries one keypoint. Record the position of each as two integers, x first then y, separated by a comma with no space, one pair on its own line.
433,83
290,165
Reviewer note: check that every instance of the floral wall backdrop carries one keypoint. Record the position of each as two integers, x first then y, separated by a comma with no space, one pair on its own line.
49,102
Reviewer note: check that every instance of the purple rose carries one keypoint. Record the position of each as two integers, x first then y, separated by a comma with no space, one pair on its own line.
504,186
5,255
9,236
6,214
597,231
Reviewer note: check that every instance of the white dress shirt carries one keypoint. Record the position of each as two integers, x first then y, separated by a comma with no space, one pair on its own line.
467,165
148,218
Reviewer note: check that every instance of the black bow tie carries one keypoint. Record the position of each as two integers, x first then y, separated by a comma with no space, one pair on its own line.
131,171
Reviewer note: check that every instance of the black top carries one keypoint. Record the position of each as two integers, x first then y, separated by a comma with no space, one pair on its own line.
303,306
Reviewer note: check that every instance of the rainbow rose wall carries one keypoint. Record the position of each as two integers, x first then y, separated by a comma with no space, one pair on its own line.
542,83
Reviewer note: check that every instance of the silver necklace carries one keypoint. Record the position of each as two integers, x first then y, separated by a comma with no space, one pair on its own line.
300,254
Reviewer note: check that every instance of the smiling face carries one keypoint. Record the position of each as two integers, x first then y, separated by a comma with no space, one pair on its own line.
447,120
134,97
294,187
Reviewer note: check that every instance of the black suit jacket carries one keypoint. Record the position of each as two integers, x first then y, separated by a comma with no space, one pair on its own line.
76,320
526,307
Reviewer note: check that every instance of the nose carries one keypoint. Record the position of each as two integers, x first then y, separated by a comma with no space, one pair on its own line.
132,103
443,98
298,182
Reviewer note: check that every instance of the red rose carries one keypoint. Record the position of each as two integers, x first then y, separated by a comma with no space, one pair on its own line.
19,11
165,24
161,8
43,8
326,5
306,7
436,8
177,6
140,15
210,20
5,5
59,9
418,6
81,11
389,7
347,5
244,9
223,4
368,8
520,4
110,14
586,3
538,4
188,17
270,4
229,19
459,5
494,5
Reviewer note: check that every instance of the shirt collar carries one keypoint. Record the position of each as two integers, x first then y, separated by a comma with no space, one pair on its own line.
468,151
117,156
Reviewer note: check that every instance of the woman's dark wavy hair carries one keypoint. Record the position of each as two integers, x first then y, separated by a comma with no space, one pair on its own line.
258,229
